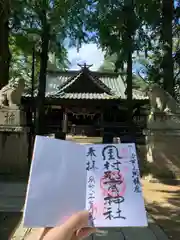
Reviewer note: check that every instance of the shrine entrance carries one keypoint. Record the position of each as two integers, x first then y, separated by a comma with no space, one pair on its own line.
83,121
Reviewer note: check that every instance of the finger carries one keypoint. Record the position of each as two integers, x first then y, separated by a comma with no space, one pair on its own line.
68,229
85,232
77,221
35,234
45,231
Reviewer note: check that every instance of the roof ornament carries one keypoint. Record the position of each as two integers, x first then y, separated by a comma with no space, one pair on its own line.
84,66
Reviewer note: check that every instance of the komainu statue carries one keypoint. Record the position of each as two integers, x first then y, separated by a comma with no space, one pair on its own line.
10,97
162,101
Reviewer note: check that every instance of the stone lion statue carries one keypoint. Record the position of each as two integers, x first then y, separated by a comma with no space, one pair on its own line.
11,96
161,100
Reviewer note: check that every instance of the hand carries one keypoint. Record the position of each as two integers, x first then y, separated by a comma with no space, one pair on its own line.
75,228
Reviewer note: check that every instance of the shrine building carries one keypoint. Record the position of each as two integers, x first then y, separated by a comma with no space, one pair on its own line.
85,102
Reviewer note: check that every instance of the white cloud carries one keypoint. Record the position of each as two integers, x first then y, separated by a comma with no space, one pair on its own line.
89,54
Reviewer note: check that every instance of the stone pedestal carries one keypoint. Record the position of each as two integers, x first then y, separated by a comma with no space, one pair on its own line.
12,117
13,142
161,121
162,146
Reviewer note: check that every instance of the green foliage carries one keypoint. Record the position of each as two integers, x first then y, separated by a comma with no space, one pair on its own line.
21,65
109,66
64,19
112,21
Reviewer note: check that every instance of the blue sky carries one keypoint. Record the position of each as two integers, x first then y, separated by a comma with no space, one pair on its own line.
88,53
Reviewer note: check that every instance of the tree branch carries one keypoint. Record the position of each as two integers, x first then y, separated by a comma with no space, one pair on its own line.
177,74
140,75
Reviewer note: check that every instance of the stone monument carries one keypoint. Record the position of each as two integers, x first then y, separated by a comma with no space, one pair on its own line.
163,134
13,130
11,114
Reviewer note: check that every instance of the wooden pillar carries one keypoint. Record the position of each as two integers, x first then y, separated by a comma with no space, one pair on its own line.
65,121
102,118
101,124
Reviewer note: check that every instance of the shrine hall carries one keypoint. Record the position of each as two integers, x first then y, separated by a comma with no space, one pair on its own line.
86,102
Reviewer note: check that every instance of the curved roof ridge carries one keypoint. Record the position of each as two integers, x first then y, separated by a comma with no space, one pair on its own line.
94,79
69,82
100,84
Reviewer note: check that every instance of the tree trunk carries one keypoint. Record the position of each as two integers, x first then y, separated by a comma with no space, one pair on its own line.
4,43
40,128
129,38
167,17
129,83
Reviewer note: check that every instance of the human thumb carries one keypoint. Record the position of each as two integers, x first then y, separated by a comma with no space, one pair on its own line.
77,221
68,230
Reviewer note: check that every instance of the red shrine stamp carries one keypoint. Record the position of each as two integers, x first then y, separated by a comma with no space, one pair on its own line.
113,184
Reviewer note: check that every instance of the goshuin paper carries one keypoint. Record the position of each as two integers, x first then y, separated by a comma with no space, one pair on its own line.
67,177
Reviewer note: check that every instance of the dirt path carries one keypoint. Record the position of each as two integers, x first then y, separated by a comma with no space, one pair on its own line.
163,203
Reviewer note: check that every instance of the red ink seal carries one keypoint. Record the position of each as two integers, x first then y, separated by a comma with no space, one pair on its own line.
112,184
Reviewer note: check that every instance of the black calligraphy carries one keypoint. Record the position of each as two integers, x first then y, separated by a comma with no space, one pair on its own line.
135,171
91,196
9,118
90,165
110,152
113,188
112,183
109,204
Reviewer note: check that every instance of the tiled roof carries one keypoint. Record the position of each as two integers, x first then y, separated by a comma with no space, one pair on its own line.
113,85
95,80
116,85
86,96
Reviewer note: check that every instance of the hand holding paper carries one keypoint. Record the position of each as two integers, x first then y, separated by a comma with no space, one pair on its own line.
67,178
74,228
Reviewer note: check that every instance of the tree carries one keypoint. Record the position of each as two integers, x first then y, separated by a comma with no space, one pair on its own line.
138,82
116,25
108,64
24,40
21,64
4,46
55,23
9,19
157,65
52,22
167,62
